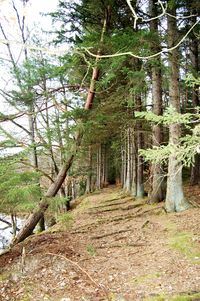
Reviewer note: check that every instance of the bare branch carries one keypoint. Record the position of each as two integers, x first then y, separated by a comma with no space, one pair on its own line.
136,17
164,12
20,126
37,169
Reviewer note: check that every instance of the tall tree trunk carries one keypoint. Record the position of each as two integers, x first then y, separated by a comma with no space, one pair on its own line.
194,57
175,200
34,218
156,169
134,164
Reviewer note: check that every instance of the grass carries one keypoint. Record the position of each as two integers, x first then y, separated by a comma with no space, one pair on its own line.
65,220
91,250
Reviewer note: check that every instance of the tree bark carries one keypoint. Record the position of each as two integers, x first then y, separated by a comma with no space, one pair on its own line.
99,169
156,169
124,160
134,164
175,200
194,57
89,172
140,145
128,169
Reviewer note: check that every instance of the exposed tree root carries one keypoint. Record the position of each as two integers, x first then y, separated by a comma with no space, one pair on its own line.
109,234
110,205
119,198
121,246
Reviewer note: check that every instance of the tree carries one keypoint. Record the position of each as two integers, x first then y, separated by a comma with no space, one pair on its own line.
53,189
157,174
175,200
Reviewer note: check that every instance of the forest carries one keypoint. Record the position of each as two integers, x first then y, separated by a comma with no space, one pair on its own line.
104,102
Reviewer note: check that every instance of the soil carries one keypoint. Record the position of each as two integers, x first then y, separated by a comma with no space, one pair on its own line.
110,247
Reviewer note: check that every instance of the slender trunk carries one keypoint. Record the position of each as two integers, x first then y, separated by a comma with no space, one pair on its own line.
89,172
175,200
128,170
140,162
124,161
156,169
14,224
122,165
99,169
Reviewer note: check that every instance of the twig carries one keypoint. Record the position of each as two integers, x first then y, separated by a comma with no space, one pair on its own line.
145,224
23,259
194,204
82,270
6,222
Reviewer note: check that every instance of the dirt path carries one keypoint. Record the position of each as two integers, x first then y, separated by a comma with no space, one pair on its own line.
111,247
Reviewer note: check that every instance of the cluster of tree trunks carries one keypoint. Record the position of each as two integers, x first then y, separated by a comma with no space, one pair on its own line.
132,134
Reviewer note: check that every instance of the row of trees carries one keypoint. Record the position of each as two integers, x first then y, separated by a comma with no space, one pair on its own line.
120,107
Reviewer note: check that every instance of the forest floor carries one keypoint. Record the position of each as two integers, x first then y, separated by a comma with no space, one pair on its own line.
110,247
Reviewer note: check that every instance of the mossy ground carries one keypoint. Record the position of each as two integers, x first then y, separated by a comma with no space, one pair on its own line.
183,297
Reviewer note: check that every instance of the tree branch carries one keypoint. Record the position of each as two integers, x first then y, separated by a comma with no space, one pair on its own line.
142,57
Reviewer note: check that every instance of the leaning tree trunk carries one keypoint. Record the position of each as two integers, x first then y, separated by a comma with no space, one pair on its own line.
156,169
34,218
175,200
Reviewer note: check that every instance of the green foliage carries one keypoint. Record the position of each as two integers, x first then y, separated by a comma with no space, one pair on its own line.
66,220
192,81
19,190
58,203
187,146
170,116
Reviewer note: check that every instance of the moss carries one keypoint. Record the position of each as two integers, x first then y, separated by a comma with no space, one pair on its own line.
4,276
91,250
147,277
85,204
183,297
184,243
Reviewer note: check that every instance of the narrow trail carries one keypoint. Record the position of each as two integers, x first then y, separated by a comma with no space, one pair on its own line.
113,248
